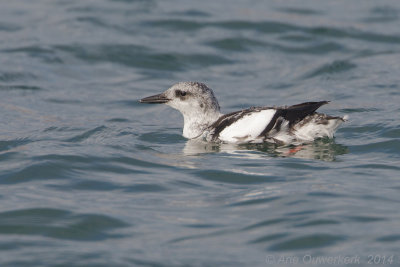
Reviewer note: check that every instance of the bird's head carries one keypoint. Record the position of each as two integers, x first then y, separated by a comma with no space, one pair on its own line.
190,98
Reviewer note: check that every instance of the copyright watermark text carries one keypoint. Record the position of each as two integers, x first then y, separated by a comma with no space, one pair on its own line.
309,259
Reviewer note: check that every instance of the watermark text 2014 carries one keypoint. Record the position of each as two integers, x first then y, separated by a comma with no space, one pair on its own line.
310,259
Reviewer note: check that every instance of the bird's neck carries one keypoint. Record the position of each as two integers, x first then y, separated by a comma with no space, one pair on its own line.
196,124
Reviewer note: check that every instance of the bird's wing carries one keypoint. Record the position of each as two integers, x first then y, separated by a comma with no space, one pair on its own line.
256,124
298,112
291,115
242,126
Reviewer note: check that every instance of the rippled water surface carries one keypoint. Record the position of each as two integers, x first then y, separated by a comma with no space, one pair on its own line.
90,177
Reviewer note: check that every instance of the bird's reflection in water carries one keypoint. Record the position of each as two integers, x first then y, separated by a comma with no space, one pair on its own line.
321,149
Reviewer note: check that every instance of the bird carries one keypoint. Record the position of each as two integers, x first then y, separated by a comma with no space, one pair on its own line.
283,125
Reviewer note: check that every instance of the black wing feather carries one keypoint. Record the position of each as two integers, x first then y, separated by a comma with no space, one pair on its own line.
298,112
292,114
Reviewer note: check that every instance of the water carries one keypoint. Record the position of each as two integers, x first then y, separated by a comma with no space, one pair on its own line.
91,177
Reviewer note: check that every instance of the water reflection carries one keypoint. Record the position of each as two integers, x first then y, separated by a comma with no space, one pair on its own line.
322,149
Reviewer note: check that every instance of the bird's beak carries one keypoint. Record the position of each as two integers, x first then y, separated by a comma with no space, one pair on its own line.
155,99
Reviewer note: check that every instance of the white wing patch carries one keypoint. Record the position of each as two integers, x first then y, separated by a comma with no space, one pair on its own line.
248,128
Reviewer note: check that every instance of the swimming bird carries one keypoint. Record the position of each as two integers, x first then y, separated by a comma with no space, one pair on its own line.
280,125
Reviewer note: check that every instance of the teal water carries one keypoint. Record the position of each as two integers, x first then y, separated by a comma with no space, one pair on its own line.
91,177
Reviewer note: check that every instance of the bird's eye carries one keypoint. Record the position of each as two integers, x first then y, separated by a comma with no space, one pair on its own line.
180,93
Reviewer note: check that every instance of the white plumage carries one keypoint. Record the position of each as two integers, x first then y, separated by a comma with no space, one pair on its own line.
248,128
